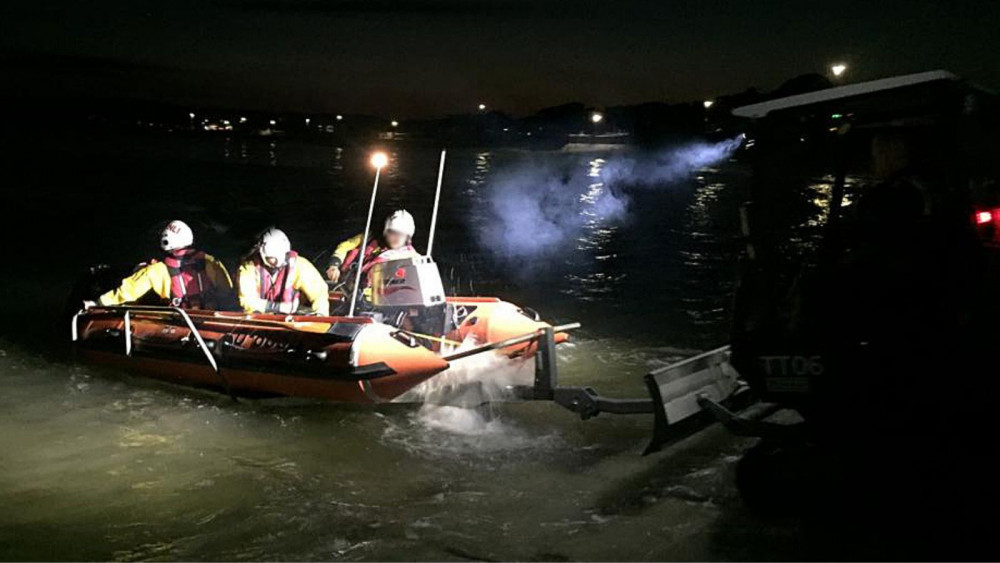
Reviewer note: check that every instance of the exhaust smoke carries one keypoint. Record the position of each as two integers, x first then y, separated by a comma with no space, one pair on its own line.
539,209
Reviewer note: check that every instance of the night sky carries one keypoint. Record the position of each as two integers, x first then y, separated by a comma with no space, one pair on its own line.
415,58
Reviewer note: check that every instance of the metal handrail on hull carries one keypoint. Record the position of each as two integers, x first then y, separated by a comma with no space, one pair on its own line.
127,316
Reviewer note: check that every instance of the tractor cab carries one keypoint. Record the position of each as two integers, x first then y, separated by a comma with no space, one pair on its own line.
870,283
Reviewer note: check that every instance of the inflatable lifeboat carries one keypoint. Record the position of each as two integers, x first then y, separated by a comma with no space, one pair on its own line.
403,338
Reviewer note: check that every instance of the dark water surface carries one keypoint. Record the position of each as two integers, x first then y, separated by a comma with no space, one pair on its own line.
101,465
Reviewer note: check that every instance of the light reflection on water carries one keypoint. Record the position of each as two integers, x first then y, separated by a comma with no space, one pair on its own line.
820,192
593,279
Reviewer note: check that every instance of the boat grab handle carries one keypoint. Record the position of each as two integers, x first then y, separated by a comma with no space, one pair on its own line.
199,339
128,310
128,334
152,309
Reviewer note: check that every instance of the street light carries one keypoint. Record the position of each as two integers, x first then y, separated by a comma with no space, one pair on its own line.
838,69
708,103
340,117
596,117
482,107
394,123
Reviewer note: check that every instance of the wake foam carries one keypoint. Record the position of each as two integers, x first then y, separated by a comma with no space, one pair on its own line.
460,400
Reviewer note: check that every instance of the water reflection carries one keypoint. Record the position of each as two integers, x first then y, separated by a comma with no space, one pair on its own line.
482,168
482,165
701,253
465,270
819,194
597,277
338,157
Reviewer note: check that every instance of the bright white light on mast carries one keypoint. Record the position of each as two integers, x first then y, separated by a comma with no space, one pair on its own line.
380,159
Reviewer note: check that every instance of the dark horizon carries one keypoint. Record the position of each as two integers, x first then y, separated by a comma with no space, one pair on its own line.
423,58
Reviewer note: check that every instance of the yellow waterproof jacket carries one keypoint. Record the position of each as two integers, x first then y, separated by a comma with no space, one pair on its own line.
340,253
305,279
345,248
156,277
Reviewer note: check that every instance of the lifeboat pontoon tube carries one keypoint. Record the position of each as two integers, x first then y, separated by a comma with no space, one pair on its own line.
332,358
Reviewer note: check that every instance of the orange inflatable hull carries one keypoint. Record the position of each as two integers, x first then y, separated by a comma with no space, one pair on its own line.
491,320
344,359
338,359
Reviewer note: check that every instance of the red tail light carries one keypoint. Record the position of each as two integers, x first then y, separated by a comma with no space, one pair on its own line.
987,222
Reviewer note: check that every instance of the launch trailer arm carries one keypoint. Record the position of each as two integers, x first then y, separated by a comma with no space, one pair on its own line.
588,403
683,397
750,422
513,341
584,401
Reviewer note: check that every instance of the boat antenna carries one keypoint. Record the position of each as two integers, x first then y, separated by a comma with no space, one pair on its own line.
437,199
379,160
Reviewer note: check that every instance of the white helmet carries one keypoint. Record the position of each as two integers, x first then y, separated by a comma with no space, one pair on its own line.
400,221
175,236
274,243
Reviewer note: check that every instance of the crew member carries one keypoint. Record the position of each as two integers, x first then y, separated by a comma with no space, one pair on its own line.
185,277
394,243
274,278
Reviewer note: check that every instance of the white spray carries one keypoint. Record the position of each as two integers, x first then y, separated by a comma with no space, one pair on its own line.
461,399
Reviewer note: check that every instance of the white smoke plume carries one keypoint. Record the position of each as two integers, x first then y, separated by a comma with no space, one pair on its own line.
538,208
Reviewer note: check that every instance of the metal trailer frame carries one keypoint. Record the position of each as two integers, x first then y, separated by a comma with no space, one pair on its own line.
684,397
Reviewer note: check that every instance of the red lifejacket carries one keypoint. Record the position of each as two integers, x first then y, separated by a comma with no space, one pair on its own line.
373,255
189,285
277,288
